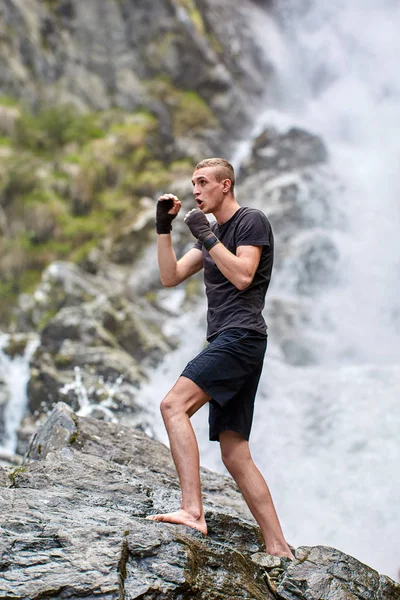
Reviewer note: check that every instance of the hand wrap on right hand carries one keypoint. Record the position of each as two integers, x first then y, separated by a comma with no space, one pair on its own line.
163,219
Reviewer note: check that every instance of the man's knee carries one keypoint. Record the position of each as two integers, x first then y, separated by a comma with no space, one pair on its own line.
185,397
170,406
234,450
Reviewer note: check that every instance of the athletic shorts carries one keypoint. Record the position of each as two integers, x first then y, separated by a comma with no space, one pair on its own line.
229,370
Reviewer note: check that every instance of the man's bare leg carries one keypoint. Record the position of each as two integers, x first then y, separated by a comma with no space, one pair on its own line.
184,399
237,458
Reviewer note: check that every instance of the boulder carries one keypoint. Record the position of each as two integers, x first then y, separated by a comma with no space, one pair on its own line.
327,573
275,151
76,510
73,526
95,344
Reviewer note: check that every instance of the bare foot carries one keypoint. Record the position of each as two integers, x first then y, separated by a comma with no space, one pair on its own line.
181,517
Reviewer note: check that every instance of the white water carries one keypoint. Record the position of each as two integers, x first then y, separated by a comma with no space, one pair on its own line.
327,437
15,373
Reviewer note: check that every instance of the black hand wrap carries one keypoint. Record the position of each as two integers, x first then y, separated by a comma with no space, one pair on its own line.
163,219
199,226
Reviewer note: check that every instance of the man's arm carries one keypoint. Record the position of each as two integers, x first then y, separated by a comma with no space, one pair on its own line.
173,272
238,268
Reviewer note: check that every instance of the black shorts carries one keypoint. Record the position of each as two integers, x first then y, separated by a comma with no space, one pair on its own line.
229,370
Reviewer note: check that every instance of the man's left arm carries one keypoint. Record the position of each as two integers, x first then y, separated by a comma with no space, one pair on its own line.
238,268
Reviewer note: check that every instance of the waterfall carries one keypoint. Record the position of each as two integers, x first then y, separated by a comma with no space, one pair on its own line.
14,375
326,436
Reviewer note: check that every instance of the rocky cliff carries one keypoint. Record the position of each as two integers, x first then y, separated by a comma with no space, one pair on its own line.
102,105
73,526
101,54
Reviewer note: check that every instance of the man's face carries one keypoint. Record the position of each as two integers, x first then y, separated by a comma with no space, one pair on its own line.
208,192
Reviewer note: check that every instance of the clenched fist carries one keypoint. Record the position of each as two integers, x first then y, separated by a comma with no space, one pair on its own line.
199,226
168,207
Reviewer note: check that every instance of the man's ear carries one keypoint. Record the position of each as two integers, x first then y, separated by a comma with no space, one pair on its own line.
227,184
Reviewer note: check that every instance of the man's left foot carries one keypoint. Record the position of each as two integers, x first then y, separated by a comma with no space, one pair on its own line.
181,517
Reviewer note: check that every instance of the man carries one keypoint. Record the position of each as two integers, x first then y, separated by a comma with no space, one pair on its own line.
236,253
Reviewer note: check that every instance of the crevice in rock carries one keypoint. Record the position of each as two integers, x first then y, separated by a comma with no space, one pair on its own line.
122,571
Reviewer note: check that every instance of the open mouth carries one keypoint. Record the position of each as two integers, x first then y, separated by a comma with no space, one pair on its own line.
199,202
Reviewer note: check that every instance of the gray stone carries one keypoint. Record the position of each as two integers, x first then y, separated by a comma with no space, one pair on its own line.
95,344
99,54
73,526
327,573
73,521
266,560
273,151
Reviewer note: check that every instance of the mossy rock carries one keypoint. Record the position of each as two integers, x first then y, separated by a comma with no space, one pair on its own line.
53,127
16,344
194,14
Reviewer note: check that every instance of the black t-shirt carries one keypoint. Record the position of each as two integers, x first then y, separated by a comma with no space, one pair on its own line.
229,307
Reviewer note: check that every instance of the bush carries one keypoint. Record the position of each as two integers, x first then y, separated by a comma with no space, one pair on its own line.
18,177
51,128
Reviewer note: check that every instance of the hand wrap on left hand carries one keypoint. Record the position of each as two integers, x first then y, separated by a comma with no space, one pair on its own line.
199,226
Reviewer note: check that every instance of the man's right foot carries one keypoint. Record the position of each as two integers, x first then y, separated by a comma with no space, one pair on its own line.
181,517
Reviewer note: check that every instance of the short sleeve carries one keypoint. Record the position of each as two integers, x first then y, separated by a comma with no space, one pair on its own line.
198,245
253,230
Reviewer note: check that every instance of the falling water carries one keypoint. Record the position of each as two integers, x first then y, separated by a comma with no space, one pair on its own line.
15,373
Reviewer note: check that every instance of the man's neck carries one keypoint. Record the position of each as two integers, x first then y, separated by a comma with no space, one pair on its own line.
226,210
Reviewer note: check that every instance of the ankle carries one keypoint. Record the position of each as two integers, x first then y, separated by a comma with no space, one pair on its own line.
195,513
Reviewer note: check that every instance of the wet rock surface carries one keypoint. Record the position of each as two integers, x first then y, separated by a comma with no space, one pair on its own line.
95,345
73,526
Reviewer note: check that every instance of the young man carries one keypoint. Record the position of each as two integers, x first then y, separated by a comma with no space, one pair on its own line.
236,253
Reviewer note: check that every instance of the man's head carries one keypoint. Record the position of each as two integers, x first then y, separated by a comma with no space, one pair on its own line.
213,180
221,169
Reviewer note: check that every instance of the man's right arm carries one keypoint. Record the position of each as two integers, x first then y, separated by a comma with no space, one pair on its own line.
173,272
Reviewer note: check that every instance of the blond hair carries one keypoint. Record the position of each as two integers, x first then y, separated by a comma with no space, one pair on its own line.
223,169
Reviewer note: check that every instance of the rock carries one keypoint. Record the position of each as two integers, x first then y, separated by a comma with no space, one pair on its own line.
294,149
327,573
8,117
95,344
104,54
16,344
73,526
77,517
63,284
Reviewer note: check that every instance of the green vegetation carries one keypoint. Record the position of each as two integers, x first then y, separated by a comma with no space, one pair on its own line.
69,179
190,113
52,127
8,101
194,14
14,475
